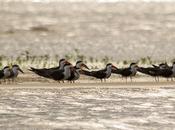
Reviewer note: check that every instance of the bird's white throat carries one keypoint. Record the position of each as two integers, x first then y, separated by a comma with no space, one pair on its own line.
15,71
108,71
67,72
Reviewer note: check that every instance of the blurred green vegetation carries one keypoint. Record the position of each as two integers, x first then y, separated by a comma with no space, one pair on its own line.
26,59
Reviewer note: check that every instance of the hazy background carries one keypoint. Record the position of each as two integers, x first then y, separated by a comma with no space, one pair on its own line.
122,30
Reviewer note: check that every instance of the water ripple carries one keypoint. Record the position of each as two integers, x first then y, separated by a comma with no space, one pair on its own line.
77,109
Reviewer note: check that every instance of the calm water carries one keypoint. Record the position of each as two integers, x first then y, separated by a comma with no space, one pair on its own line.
118,30
87,109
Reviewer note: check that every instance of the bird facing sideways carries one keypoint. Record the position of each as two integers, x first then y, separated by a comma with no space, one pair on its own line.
46,72
127,72
100,74
63,74
162,70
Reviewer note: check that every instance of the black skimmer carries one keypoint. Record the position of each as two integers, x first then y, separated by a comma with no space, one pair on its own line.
151,71
167,72
162,70
127,72
64,74
162,65
55,74
5,72
14,72
100,74
45,72
75,74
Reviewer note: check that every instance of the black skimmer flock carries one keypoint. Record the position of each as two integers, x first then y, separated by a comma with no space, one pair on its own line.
63,74
127,72
163,70
67,72
101,74
70,73
10,73
162,65
168,71
151,71
75,74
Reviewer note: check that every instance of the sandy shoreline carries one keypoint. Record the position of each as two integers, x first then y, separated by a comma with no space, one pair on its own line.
30,81
80,85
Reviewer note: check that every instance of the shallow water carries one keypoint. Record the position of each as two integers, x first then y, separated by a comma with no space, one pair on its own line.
87,109
118,30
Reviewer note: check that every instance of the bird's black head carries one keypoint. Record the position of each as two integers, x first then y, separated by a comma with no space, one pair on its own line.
61,60
133,64
162,64
15,66
6,67
80,65
67,63
79,61
110,64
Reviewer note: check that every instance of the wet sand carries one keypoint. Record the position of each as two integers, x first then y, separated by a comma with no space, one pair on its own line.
30,80
90,84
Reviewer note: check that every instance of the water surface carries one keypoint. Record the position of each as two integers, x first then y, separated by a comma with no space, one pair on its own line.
118,30
87,109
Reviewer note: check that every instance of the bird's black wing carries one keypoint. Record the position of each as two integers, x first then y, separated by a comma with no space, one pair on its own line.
72,75
57,75
125,72
149,71
43,72
85,72
166,72
53,69
97,74
1,74
100,74
117,71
